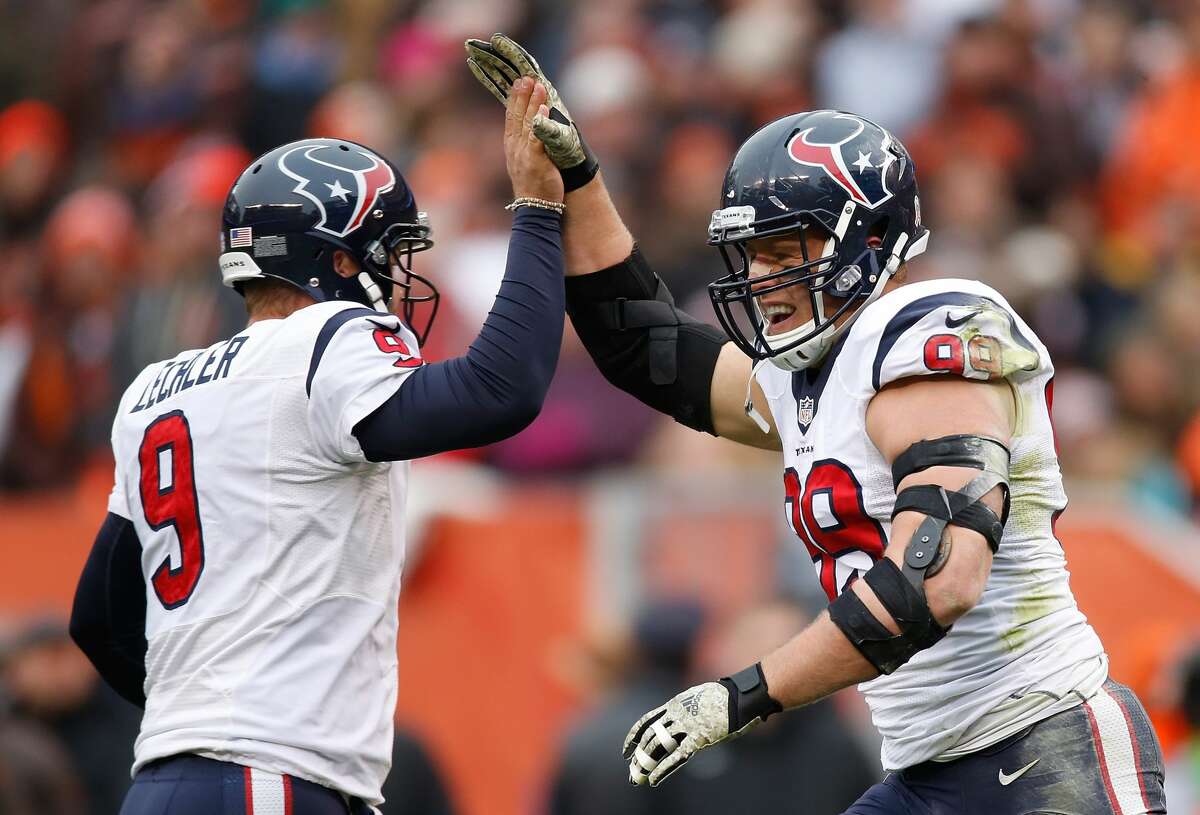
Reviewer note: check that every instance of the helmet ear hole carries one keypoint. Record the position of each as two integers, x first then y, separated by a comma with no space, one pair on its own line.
878,232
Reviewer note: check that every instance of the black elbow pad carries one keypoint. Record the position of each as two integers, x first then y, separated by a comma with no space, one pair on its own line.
906,603
643,344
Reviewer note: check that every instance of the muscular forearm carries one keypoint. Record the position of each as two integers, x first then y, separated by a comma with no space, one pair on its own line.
815,663
594,236
821,660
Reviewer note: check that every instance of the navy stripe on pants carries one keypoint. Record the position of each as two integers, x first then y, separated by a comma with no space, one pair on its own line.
193,785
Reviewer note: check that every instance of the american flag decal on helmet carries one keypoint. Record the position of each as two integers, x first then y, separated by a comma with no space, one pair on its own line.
241,237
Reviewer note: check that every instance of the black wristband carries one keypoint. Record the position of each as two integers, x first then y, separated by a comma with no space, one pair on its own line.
749,698
583,172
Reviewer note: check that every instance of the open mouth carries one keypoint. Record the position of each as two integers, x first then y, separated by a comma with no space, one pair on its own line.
778,315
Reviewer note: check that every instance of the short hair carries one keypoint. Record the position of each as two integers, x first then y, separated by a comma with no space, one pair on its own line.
268,295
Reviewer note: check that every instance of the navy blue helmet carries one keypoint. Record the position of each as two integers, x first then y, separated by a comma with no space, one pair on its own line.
840,175
295,205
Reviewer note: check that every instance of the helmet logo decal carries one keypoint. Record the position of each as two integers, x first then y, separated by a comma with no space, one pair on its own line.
343,195
866,186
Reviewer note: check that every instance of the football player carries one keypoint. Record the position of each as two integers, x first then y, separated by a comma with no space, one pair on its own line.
244,585
920,472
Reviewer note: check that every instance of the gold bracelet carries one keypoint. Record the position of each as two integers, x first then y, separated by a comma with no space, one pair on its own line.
539,203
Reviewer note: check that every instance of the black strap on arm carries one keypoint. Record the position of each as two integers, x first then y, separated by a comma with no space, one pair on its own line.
943,507
749,698
643,344
108,618
919,629
963,450
901,590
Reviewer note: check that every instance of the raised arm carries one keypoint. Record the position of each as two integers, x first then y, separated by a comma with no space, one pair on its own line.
497,388
620,308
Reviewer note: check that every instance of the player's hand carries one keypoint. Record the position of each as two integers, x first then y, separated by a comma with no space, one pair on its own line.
533,174
497,65
666,737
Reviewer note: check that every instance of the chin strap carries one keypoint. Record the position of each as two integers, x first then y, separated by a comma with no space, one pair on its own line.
749,407
374,293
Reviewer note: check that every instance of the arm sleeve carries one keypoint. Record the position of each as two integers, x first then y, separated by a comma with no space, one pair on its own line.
496,389
956,334
662,356
108,618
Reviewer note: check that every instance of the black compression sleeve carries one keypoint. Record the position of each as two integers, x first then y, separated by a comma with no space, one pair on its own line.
108,618
662,356
496,389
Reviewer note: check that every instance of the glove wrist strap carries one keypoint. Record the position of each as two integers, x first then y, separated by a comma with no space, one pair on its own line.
583,172
749,698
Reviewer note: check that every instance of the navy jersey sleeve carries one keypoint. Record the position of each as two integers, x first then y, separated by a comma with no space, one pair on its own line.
108,618
496,389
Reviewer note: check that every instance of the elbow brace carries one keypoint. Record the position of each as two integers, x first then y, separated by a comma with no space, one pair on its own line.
901,590
643,344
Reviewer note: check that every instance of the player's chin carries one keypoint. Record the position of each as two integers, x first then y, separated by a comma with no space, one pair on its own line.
784,325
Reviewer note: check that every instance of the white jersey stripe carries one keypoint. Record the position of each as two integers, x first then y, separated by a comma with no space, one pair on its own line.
1115,742
267,793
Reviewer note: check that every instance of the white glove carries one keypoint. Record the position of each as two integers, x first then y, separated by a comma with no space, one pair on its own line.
666,737
497,65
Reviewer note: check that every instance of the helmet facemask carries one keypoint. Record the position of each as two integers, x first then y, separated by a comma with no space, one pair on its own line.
835,285
388,275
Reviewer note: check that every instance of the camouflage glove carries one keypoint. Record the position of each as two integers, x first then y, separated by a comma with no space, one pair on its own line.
497,65
665,738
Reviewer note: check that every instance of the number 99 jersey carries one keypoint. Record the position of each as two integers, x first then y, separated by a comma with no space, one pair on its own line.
1014,658
272,549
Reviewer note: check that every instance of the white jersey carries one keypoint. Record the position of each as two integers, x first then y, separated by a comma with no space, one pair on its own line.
271,548
1025,651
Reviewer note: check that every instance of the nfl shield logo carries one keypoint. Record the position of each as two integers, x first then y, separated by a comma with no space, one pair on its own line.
805,414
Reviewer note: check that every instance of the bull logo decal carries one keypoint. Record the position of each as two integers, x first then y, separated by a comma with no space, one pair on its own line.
863,176
344,184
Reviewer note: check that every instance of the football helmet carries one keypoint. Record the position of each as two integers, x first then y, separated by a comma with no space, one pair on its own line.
839,174
295,205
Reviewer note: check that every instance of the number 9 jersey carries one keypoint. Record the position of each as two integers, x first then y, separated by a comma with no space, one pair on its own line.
272,549
1025,651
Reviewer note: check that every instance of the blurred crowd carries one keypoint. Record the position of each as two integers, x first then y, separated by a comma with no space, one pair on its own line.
1052,138
820,754
1054,142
